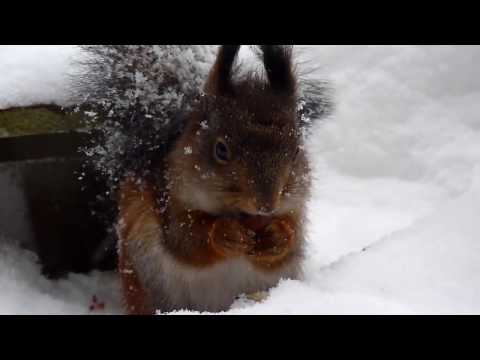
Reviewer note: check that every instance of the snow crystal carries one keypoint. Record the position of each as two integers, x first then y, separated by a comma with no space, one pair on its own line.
204,125
140,90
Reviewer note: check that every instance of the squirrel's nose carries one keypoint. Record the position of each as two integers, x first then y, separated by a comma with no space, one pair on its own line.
267,203
265,213
267,209
254,209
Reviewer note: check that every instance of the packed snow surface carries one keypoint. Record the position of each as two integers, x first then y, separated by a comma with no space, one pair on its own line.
31,75
395,212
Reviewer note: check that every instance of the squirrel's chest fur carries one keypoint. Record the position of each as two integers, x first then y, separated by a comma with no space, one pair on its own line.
154,279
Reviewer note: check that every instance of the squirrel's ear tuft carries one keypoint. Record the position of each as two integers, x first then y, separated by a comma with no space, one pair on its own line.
220,78
278,64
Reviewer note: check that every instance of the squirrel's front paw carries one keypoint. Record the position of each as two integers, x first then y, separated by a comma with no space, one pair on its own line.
230,238
274,242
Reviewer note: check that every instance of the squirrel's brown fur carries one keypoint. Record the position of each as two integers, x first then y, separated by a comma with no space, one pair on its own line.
223,213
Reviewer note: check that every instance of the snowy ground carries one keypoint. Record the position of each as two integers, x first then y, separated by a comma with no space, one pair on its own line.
395,213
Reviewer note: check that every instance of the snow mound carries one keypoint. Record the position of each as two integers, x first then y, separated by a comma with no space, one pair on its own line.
31,75
26,292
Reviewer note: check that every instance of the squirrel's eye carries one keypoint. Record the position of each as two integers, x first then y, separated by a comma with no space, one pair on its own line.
222,154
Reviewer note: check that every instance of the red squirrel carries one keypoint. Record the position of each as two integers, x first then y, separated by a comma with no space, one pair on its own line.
221,211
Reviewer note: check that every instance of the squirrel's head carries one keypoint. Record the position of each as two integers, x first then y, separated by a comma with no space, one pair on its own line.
242,151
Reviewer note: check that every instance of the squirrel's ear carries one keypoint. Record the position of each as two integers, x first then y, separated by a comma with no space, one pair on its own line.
277,60
220,78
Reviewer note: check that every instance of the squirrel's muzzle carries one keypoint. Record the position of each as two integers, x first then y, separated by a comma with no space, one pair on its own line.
261,204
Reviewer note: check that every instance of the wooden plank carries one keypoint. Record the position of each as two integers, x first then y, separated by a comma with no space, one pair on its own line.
32,147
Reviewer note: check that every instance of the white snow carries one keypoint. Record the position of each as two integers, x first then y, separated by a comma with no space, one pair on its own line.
25,291
397,174
32,75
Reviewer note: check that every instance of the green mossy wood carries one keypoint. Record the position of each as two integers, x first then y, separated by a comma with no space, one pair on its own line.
38,120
